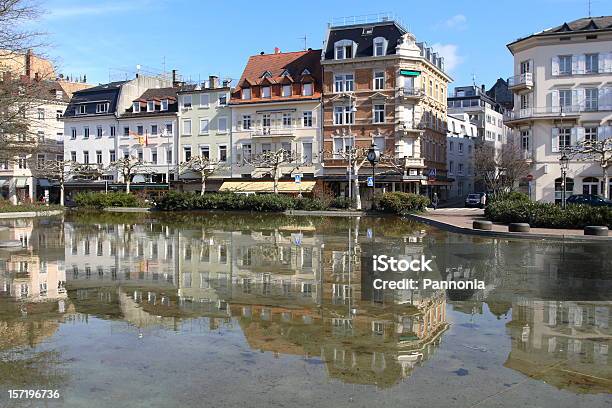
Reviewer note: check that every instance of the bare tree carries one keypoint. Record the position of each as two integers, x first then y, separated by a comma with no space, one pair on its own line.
599,152
60,171
499,171
275,163
128,167
203,167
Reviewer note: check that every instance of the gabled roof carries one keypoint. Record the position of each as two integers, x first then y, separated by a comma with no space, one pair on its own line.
391,31
91,96
157,95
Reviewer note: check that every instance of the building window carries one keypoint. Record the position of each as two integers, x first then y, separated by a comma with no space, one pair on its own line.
307,119
451,167
379,46
343,115
99,156
169,130
287,120
460,168
136,107
40,161
266,121
524,101
591,98
222,153
205,152
525,140
112,131
86,132
246,93
126,131
344,49
73,156
73,133
379,80
86,157
113,157
186,101
153,130
307,89
344,83
265,92
150,106
590,134
203,126
164,105
246,122
565,65
154,156
41,114
169,155
204,100
140,130
286,91
81,110
222,99
186,153
379,113
565,98
247,151
222,125
565,138
187,127
592,63
524,68
102,107
140,156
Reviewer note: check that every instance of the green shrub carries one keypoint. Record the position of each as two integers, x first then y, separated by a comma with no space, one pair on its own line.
7,206
341,202
510,196
548,215
309,204
111,199
401,203
175,201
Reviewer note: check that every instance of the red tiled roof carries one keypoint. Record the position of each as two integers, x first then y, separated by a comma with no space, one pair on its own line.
276,64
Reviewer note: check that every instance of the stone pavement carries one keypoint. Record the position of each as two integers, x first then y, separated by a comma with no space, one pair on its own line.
462,218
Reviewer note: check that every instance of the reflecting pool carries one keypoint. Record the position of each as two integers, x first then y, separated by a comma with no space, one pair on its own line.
227,310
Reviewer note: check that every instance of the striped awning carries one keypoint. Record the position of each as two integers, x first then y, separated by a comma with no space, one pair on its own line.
21,182
267,186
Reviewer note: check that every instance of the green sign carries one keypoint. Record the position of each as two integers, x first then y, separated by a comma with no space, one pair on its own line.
409,72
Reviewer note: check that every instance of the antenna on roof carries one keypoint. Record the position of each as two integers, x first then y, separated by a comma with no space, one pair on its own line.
303,38
589,1
474,80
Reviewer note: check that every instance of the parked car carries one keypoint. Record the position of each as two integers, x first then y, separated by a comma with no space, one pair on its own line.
589,199
475,200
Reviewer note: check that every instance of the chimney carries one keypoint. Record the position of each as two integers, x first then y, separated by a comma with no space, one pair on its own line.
213,81
174,79
226,83
482,87
28,63
277,50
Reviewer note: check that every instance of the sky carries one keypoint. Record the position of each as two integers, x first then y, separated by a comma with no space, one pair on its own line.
106,40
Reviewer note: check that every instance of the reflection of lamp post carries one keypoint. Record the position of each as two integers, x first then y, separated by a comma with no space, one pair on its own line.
352,111
564,162
373,157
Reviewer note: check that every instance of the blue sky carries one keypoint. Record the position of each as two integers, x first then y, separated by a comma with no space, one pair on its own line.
107,39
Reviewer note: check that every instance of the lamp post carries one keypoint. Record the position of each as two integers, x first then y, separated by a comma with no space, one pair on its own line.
373,157
352,110
564,163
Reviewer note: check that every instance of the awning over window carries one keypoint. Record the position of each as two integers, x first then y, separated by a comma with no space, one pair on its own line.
267,186
44,183
21,182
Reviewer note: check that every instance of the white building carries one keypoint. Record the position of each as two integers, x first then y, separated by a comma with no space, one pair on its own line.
563,95
91,123
460,140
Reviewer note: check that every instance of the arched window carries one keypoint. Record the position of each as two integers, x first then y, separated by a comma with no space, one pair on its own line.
590,185
345,49
380,46
569,189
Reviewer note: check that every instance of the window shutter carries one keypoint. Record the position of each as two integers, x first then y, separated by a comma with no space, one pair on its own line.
581,64
608,132
575,64
581,100
555,140
531,66
603,61
579,134
601,133
555,65
574,136
607,98
575,100
554,100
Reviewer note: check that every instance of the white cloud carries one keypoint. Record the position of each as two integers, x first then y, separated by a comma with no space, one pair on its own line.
94,10
450,52
456,22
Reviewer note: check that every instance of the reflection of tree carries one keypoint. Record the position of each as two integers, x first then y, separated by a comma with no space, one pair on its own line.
23,369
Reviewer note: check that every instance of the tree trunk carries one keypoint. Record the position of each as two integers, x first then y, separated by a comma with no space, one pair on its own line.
276,181
606,186
356,188
62,194
127,185
203,185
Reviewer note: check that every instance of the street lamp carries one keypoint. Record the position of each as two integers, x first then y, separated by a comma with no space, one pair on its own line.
564,163
352,111
373,157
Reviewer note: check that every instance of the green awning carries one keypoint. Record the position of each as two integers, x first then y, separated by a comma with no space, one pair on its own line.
21,182
409,72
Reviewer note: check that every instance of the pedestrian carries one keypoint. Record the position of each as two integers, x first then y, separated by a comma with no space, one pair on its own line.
435,201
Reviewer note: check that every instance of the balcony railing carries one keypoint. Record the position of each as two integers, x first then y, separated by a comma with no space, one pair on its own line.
270,131
521,81
547,111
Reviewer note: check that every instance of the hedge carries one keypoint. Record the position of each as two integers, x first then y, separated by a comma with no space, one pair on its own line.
7,206
401,203
111,199
548,215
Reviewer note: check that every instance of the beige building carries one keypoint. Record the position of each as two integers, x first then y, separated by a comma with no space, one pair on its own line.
563,95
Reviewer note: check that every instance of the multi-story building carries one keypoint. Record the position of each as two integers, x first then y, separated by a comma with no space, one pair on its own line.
460,155
91,124
147,131
205,130
563,96
383,88
276,105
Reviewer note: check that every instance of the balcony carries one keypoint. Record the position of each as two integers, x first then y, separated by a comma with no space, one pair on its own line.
410,94
411,127
523,82
545,112
271,132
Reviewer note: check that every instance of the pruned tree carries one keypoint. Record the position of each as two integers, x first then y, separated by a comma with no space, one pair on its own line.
128,167
60,171
203,167
499,171
274,162
596,151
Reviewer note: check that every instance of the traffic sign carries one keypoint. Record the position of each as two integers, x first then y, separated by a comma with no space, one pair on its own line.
298,178
370,181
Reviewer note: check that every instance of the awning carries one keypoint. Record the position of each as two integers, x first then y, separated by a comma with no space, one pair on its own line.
2,183
44,183
436,183
267,186
21,182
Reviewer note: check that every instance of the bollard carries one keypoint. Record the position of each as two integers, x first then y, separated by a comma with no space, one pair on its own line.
596,230
518,227
482,225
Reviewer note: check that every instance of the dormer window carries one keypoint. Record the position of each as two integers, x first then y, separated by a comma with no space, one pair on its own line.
367,30
344,49
266,74
164,105
150,106
246,93
59,94
136,107
306,72
307,89
81,110
380,46
102,107
285,73
265,92
286,90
